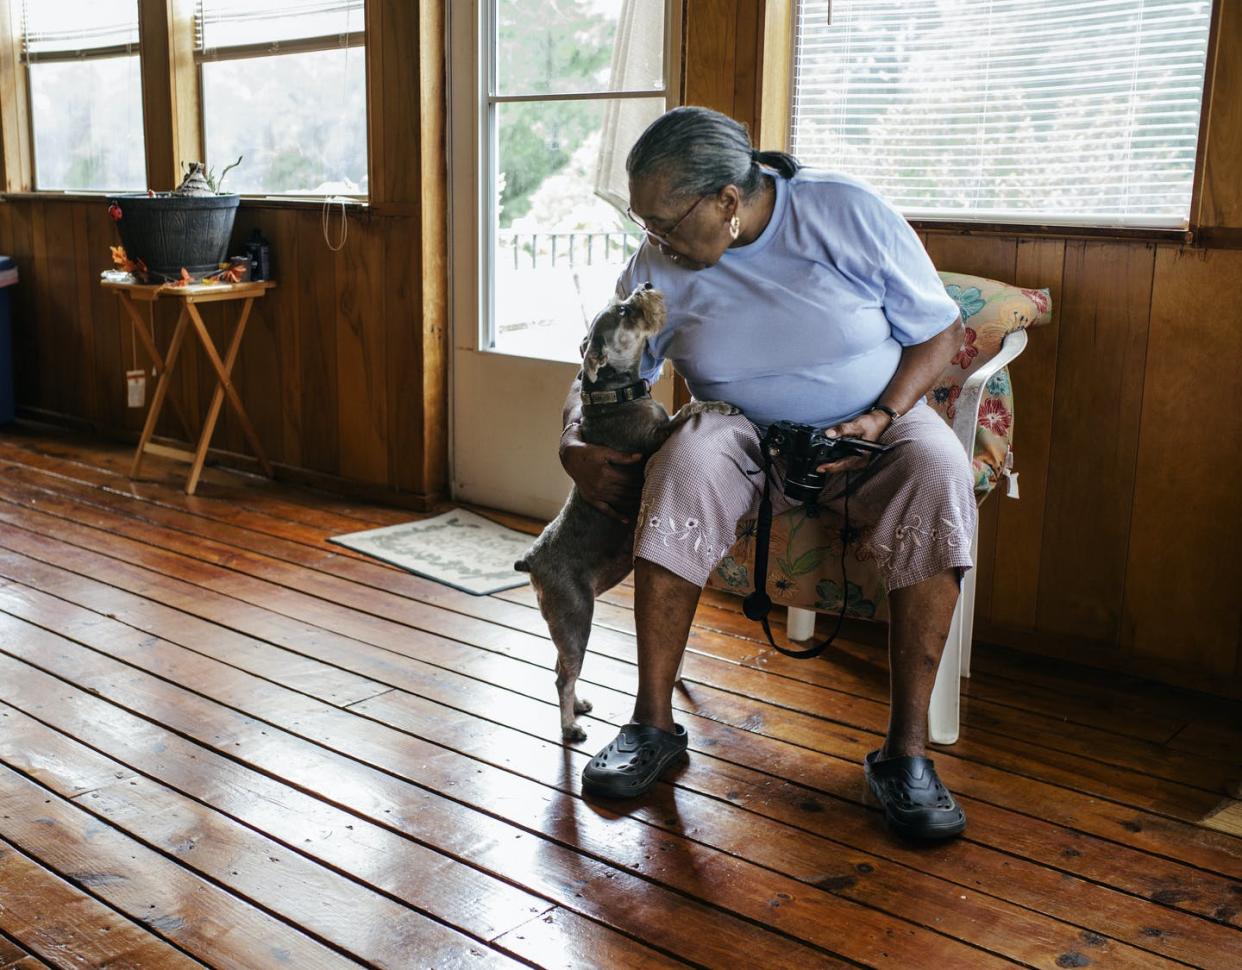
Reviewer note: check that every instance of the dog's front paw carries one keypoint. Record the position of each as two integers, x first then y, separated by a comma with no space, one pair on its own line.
575,732
720,407
582,706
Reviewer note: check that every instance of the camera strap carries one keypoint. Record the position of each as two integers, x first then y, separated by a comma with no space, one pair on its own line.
758,604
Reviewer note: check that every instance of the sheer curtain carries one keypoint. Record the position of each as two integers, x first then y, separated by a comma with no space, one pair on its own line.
637,56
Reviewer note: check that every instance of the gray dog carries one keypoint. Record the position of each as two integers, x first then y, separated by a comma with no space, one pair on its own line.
583,552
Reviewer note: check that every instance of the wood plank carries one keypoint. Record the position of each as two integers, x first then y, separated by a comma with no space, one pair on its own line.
403,286
170,98
195,915
17,163
1220,195
748,28
316,279
1174,609
44,327
286,311
226,488
867,865
405,872
710,53
84,276
494,845
893,887
776,42
731,778
1015,567
355,919
260,370
1105,302
433,236
361,346
561,938
821,918
66,926
367,628
63,327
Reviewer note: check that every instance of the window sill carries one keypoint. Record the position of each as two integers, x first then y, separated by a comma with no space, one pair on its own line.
1179,236
362,208
247,201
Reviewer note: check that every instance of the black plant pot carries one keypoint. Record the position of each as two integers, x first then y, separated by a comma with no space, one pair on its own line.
172,232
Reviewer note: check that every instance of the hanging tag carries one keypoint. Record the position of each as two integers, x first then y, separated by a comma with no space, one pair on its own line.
136,381
1012,491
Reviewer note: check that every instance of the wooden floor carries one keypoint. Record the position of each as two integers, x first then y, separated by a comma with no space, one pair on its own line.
224,741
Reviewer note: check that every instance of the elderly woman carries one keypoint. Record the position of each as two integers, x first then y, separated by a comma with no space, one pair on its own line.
795,295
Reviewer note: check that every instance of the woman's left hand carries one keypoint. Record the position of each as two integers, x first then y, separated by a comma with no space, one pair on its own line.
868,426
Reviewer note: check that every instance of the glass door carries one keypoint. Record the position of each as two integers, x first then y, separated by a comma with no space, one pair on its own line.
547,97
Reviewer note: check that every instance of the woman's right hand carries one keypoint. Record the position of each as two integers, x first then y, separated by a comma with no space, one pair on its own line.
611,481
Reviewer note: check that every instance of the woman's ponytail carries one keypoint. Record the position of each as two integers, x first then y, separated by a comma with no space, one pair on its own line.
783,162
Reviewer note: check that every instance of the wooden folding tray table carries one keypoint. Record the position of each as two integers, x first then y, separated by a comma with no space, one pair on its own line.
190,296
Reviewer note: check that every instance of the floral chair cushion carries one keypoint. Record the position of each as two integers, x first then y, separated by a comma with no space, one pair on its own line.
804,564
990,312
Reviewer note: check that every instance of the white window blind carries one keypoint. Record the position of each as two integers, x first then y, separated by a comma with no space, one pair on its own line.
1070,112
231,23
77,26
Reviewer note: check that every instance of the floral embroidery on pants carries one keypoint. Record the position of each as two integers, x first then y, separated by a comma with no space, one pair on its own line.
688,532
915,531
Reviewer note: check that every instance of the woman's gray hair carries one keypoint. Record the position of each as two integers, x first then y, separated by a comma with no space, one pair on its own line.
700,151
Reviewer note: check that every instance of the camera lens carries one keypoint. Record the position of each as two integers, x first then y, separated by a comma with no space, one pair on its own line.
805,489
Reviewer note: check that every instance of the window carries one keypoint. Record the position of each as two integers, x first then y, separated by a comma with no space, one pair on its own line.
1062,112
284,86
570,86
85,88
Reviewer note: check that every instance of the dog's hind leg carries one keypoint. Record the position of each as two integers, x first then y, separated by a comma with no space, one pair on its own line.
568,611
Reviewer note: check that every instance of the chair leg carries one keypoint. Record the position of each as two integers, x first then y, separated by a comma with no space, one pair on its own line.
799,623
943,711
967,599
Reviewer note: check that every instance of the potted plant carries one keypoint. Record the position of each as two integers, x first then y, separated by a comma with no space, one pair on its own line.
186,229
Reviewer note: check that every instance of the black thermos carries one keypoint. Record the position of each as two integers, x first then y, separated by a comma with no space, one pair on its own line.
260,253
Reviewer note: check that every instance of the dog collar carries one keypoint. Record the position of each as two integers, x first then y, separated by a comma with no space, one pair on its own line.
631,392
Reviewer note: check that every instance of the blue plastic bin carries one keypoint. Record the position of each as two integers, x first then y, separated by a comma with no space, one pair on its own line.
8,276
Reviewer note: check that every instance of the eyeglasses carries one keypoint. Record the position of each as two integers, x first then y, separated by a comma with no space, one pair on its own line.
662,237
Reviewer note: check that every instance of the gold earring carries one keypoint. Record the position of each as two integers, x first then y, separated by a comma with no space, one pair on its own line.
735,227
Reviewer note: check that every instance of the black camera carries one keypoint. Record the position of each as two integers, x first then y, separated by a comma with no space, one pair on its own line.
804,448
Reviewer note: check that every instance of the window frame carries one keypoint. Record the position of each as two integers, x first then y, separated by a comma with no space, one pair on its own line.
776,95
264,49
25,62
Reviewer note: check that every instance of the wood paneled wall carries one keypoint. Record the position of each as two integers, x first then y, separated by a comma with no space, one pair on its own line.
344,368
1123,548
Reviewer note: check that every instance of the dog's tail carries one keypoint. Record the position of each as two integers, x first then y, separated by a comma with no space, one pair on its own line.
522,566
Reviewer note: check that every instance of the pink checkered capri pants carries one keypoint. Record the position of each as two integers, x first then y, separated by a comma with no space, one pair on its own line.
914,506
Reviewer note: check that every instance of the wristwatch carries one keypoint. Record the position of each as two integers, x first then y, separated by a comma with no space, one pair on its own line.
892,415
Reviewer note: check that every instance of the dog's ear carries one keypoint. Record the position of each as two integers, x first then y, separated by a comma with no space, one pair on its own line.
582,348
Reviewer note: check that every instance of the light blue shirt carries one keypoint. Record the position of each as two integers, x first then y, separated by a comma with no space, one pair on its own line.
807,322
